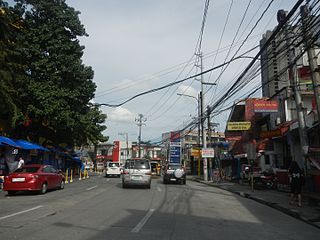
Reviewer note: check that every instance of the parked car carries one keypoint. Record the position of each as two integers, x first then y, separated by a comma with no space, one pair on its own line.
113,169
136,172
174,173
100,166
34,177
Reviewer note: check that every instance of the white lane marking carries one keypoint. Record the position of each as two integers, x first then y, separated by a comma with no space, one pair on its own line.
108,180
88,189
18,213
159,189
143,221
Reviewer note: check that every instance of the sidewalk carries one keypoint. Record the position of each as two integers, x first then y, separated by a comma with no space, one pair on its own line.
272,198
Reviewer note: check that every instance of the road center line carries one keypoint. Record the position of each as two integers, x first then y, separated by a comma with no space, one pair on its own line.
18,213
143,221
88,189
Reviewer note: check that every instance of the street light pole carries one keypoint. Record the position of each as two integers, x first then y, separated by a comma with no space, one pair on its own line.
199,121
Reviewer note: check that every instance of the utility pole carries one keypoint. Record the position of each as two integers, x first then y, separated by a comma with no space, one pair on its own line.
299,104
199,132
202,119
140,121
315,75
209,143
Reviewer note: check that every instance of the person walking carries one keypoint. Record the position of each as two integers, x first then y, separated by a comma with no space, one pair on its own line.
296,175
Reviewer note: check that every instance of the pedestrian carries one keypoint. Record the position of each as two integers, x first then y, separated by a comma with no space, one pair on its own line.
20,163
296,178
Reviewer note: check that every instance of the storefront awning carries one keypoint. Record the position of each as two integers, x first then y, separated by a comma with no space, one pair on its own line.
8,141
30,146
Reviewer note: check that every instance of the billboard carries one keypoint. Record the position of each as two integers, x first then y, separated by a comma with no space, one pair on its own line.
265,106
175,153
175,136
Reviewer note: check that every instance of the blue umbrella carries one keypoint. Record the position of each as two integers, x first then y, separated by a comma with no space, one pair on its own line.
8,141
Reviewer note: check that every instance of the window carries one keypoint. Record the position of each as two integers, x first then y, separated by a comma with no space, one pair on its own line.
27,170
137,164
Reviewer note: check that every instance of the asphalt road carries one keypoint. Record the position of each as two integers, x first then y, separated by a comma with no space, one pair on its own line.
98,208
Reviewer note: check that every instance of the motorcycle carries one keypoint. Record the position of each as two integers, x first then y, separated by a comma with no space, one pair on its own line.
267,180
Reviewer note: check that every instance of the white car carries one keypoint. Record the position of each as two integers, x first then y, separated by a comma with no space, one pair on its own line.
113,169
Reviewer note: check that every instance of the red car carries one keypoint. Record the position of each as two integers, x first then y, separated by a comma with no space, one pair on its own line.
34,177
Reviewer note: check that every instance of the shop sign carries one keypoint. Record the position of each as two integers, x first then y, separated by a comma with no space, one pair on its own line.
238,126
195,152
265,106
207,152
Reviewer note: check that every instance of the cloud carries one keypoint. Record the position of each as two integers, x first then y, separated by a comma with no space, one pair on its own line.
122,115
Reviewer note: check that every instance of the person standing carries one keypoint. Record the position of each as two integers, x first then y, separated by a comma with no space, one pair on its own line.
20,163
296,175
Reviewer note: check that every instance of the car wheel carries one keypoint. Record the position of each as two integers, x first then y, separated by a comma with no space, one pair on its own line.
43,189
62,184
11,193
148,186
184,181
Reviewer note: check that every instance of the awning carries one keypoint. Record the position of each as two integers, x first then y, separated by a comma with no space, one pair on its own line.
30,146
8,141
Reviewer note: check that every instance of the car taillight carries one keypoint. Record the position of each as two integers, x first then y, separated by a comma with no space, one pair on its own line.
147,173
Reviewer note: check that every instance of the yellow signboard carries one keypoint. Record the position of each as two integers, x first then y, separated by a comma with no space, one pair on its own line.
238,126
195,152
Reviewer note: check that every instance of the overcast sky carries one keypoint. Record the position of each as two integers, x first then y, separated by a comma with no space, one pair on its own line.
138,45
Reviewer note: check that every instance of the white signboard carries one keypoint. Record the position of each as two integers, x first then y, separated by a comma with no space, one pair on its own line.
207,152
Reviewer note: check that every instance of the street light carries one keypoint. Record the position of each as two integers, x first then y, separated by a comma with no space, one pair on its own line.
199,119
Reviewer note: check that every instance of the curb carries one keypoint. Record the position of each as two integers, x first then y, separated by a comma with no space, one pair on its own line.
262,201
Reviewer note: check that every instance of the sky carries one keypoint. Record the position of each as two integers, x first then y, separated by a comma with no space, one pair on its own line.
138,45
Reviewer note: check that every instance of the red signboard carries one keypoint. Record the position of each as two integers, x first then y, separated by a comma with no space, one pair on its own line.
116,151
265,106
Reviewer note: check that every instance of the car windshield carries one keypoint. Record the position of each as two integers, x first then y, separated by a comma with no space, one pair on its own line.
112,164
173,167
137,164
27,170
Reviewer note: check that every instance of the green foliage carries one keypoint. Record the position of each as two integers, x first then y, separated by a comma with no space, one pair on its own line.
54,87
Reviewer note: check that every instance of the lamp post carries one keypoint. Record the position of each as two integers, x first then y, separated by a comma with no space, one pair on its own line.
198,139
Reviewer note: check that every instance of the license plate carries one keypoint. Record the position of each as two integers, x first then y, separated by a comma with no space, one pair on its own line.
18,179
173,179
136,177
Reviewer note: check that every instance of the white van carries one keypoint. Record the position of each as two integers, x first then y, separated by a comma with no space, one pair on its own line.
113,169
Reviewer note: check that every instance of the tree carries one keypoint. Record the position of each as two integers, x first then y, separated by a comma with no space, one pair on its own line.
55,87
9,64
